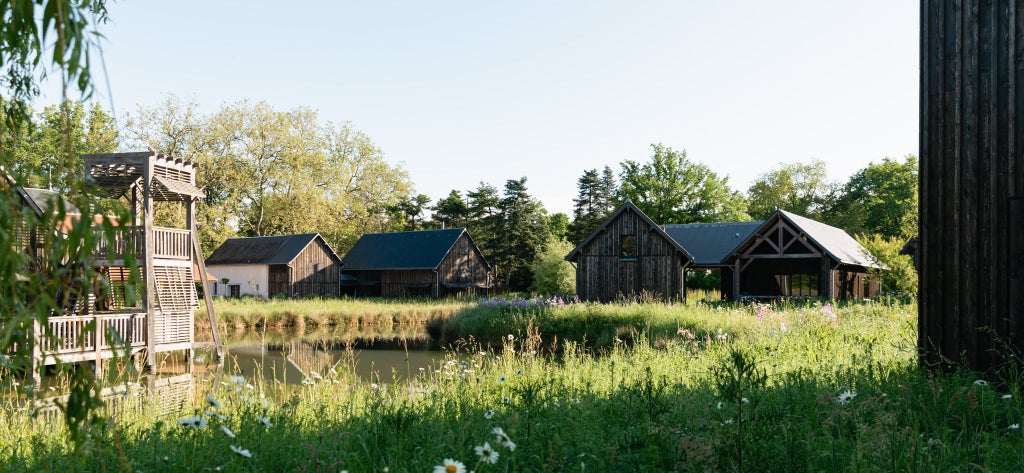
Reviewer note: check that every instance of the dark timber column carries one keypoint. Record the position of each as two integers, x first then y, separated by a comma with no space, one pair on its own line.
971,180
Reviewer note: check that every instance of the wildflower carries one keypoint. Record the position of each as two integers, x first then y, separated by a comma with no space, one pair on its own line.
212,401
847,396
745,400
227,431
506,400
211,413
241,451
980,382
1007,396
519,372
489,414
503,439
719,405
782,327
194,422
728,422
1014,426
266,422
486,453
502,379
450,466
511,337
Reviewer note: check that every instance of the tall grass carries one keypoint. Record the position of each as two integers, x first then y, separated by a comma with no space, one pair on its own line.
729,388
250,313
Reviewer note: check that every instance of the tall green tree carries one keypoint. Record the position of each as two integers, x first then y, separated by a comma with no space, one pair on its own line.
589,205
522,232
47,155
271,172
880,199
484,220
672,189
803,189
451,211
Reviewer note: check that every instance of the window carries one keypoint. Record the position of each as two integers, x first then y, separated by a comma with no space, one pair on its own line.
796,285
234,290
627,248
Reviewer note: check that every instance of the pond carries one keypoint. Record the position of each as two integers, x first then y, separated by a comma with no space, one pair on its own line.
290,357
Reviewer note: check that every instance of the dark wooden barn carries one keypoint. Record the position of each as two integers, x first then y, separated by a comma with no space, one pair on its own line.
434,263
792,256
628,256
971,238
270,266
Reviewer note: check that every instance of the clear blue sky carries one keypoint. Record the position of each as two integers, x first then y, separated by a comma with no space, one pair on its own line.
470,91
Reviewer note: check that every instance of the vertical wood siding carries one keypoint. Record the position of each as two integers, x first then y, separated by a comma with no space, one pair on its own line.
603,275
972,168
463,268
313,272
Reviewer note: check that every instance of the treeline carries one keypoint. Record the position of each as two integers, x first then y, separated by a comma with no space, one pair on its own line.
271,172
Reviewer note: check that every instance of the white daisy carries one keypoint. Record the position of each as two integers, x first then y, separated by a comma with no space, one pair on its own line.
980,382
489,414
450,466
212,401
227,431
241,451
194,422
503,439
486,453
846,396
265,421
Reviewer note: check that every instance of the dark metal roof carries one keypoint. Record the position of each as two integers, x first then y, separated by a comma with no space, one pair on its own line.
628,205
281,249
711,243
833,241
422,249
47,199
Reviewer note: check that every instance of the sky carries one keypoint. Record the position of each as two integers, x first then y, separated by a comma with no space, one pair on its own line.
463,92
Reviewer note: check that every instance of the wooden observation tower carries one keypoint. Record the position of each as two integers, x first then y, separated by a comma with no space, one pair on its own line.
164,256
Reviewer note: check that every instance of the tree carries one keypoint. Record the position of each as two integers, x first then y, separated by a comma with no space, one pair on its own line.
552,274
483,221
589,208
522,233
47,155
672,189
271,172
880,199
557,225
451,211
408,214
900,277
800,188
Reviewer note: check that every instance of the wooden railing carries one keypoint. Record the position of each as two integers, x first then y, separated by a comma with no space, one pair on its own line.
67,335
170,243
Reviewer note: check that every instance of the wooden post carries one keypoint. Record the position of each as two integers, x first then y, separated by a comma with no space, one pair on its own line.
197,256
149,299
35,365
736,280
99,339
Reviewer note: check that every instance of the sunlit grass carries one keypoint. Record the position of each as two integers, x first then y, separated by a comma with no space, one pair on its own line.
805,387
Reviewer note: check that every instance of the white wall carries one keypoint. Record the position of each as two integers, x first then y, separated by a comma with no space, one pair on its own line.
251,278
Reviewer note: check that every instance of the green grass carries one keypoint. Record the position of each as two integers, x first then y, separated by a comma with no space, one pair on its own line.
251,313
695,388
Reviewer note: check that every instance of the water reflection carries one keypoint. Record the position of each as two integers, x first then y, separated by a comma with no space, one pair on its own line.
290,358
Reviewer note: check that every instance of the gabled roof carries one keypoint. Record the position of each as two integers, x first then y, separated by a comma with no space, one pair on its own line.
47,199
281,249
421,249
628,206
10,183
711,243
833,241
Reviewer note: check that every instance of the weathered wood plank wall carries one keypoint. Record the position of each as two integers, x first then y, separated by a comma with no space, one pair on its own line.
603,274
972,167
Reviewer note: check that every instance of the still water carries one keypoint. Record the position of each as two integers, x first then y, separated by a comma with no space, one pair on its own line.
291,358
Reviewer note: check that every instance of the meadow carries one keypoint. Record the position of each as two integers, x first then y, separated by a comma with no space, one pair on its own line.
588,387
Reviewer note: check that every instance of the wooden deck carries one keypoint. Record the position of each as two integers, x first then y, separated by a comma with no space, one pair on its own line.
65,338
168,243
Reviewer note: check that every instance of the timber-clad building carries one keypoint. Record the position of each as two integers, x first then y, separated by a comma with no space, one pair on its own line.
270,266
629,256
434,263
784,256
